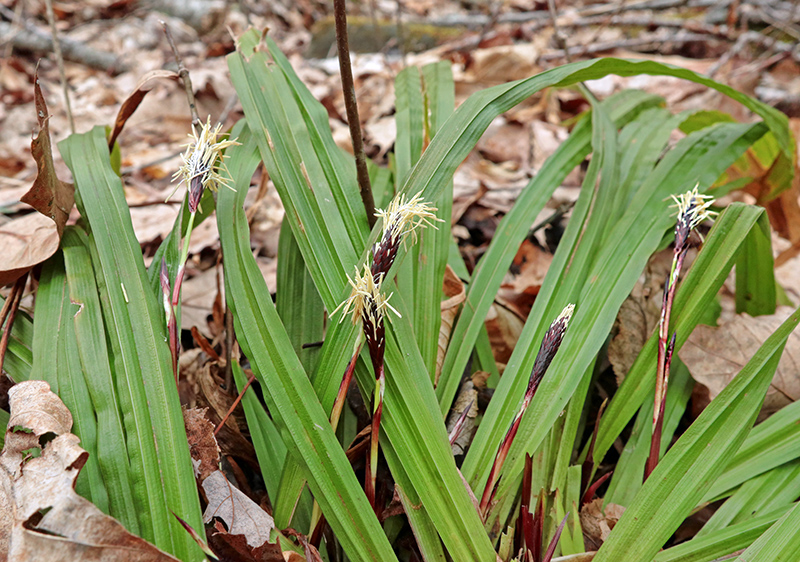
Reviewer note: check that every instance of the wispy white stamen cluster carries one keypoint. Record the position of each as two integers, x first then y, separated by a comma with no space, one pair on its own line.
403,217
365,299
693,208
203,158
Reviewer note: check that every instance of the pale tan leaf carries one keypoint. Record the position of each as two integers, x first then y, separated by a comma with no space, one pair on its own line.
241,515
72,528
455,292
715,355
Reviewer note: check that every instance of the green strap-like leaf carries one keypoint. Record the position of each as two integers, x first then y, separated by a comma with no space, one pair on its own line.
134,321
688,469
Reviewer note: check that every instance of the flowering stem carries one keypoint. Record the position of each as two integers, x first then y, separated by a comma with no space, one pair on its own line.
372,461
547,351
692,210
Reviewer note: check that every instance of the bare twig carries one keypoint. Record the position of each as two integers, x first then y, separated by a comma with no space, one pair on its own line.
348,88
235,403
51,18
184,74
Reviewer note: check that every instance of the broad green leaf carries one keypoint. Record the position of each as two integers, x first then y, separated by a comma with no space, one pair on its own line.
56,360
19,358
687,470
720,543
694,294
112,451
771,490
142,363
291,400
779,544
755,273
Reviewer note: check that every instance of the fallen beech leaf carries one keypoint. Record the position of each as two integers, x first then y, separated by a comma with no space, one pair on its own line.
72,528
715,355
241,515
48,195
26,241
132,102
454,290
597,521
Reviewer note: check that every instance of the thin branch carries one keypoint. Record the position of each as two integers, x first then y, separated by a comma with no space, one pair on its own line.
51,18
184,74
348,88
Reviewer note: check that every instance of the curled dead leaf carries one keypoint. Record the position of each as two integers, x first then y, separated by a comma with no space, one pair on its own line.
597,521
131,103
26,241
202,444
72,528
715,356
48,195
467,398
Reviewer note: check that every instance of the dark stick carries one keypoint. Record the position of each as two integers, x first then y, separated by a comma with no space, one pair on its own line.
184,74
349,90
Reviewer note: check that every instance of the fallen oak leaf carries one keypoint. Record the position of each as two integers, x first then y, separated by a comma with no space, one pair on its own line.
72,528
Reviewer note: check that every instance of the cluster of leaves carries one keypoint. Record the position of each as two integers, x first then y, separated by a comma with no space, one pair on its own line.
99,334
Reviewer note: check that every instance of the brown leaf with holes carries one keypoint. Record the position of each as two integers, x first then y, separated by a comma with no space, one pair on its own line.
241,515
597,521
131,103
71,528
715,355
48,195
202,444
455,292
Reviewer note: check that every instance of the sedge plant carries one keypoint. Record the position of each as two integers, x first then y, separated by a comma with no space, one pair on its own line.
693,209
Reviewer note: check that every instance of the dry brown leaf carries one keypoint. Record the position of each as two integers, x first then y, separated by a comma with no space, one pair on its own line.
26,241
48,195
504,328
241,515
132,102
202,444
638,316
715,355
467,398
597,521
72,528
454,290
522,283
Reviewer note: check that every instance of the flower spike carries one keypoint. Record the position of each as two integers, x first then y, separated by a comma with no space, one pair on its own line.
202,162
